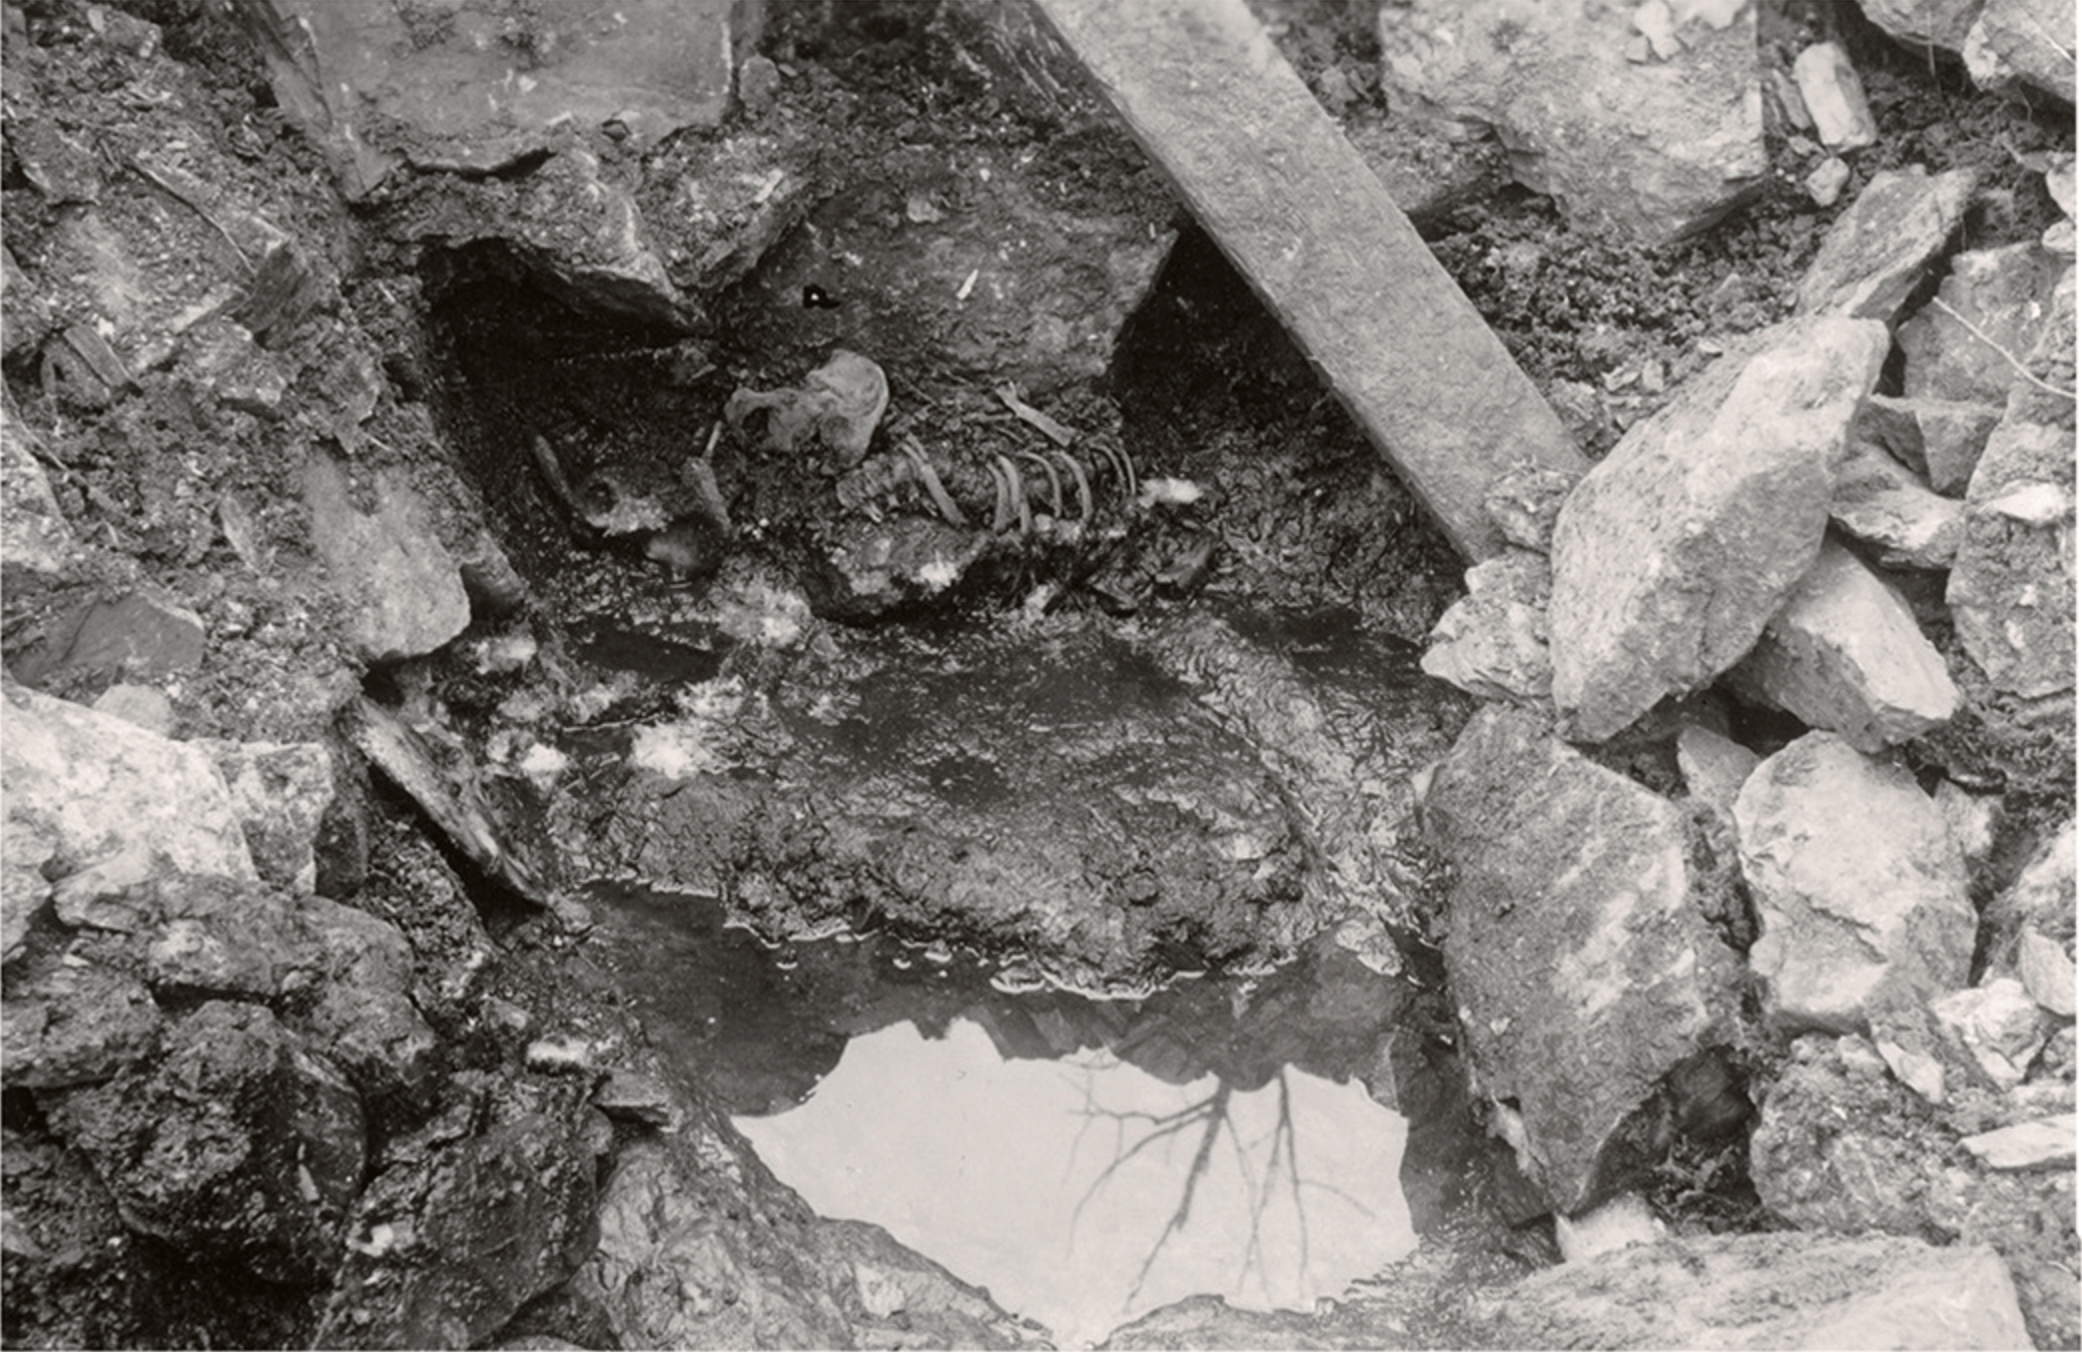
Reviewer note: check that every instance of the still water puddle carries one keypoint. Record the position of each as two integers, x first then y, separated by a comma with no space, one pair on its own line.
1085,1192
1086,1160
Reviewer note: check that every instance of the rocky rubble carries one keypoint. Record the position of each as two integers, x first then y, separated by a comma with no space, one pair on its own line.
1930,1082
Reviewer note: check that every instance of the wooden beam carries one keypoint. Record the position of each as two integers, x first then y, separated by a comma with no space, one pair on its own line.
1303,218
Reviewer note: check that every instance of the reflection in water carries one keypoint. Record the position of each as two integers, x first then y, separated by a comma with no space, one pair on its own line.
1085,1159
1086,1191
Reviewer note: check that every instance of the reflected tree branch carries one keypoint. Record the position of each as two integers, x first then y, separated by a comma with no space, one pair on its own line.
1210,1118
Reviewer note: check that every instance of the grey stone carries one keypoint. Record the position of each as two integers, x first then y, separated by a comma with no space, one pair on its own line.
1674,551
2047,972
453,1237
404,594
1525,501
137,636
1714,767
2012,589
1665,148
491,85
220,939
1492,642
1997,1024
239,1147
281,792
139,705
75,1024
1859,889
98,785
1765,1291
1574,1008
2024,41
2041,897
1925,23
2048,1143
588,241
24,891
1970,817
1825,182
1845,654
34,534
363,1014
1835,97
114,894
1877,251
1881,501
220,358
2006,295
1940,439
1836,1149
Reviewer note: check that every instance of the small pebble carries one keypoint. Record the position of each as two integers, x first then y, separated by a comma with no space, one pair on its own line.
1825,182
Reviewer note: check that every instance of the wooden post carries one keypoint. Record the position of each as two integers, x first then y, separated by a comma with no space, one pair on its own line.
1300,214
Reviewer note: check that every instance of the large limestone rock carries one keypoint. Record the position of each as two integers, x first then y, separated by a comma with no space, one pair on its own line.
1859,887
1655,128
1766,1291
478,87
1877,250
1584,971
1677,548
404,592
1993,306
100,785
2012,588
1846,655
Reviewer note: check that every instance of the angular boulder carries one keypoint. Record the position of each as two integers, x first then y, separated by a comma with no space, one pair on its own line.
1765,1291
1993,306
1940,439
404,592
1846,655
1584,969
2012,586
1881,501
281,792
1859,887
1876,252
100,785
372,83
1674,552
239,1147
2024,42
1492,642
1670,140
